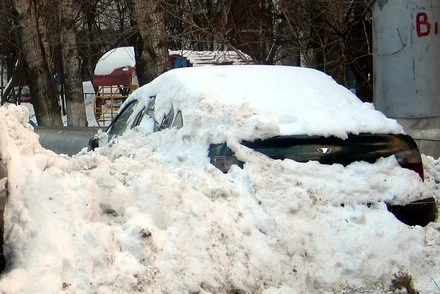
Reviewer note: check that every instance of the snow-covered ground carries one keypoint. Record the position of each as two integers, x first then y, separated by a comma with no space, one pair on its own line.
150,214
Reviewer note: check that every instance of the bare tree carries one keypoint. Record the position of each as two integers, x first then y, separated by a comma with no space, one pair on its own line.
71,66
197,24
359,47
151,49
333,36
101,25
6,48
30,29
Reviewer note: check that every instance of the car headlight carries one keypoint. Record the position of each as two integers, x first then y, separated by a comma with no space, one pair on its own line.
222,157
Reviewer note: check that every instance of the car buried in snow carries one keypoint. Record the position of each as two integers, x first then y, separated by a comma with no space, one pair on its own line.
282,112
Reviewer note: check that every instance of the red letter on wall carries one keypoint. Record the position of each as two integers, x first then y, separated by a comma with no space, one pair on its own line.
423,26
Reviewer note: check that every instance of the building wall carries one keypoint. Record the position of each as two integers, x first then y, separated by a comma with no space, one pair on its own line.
406,50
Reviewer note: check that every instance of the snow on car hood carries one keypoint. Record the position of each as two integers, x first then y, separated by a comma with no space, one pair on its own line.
255,101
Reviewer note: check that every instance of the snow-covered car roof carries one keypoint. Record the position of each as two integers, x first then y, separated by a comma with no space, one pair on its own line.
262,101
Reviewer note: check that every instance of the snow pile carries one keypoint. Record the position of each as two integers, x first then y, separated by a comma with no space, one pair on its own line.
150,214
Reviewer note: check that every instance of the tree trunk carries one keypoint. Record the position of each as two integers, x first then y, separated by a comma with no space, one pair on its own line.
148,17
42,85
90,46
75,107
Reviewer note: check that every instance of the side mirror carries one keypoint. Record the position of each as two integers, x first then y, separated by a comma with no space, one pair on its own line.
93,143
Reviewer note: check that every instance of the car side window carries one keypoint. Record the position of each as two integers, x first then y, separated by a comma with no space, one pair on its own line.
121,122
150,107
167,120
171,120
146,121
178,120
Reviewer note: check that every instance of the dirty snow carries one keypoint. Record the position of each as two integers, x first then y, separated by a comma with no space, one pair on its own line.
148,213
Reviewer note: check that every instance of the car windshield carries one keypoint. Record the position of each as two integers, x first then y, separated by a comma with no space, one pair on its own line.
121,122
